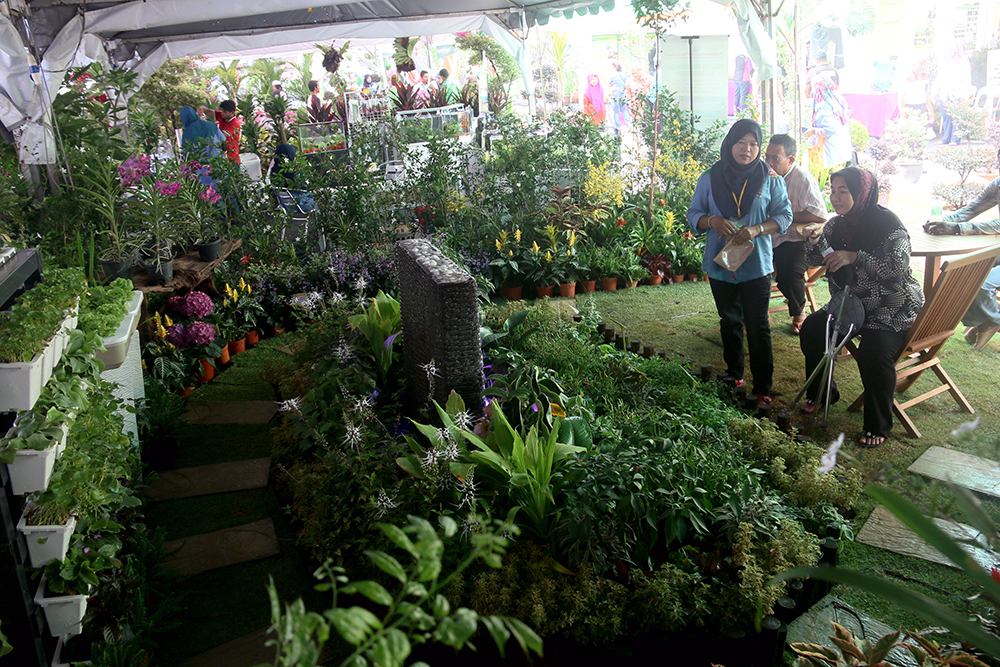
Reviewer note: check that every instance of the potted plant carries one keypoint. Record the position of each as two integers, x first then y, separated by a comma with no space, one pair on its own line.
963,160
249,311
631,267
539,269
908,139
193,337
200,206
608,264
31,447
659,268
102,190
508,263
112,312
585,259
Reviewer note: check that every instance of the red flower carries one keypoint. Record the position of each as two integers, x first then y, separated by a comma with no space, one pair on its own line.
621,222
995,573
245,260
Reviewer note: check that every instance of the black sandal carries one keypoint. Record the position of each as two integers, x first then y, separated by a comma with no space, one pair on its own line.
866,438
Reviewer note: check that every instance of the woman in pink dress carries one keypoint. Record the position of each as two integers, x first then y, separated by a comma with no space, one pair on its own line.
593,100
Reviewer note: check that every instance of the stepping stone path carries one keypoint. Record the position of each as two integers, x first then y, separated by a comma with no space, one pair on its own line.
200,553
230,412
246,651
813,627
885,531
206,480
978,474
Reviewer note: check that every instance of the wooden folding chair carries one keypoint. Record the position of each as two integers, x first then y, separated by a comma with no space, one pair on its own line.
944,306
813,274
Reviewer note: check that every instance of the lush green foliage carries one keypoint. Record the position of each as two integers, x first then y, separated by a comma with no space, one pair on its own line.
102,309
38,314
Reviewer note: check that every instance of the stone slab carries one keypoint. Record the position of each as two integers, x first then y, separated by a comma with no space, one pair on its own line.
813,627
885,531
230,412
206,480
970,471
201,553
246,651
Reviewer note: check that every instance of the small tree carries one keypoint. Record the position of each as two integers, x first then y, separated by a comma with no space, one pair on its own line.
503,69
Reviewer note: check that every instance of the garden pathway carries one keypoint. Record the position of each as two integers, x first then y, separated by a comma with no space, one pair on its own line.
949,465
230,412
205,480
208,551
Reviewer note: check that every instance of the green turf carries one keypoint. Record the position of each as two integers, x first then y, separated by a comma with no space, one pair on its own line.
204,514
240,379
204,445
682,320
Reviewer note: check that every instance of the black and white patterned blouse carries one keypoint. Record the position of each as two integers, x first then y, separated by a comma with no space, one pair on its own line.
883,281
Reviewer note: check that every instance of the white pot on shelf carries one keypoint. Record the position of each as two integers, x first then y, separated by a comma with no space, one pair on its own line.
63,613
20,383
46,543
117,344
31,469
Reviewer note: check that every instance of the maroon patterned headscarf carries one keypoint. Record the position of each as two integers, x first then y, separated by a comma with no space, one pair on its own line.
864,190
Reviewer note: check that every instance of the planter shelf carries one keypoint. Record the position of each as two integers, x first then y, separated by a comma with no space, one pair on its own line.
64,613
31,469
22,382
46,543
117,344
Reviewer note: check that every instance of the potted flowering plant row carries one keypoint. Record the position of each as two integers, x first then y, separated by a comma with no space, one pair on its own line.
33,336
192,336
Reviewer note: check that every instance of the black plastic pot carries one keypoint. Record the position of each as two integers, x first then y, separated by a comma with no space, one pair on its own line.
118,268
162,273
209,251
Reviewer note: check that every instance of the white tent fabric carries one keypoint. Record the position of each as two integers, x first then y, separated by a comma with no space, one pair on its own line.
760,46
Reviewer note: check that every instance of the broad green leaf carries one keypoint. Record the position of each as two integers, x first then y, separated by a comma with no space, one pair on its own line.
921,605
354,624
882,647
456,630
448,525
441,608
387,564
455,404
500,633
410,465
525,636
397,537
372,590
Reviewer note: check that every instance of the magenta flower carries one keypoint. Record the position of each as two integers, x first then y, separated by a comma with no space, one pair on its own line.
200,333
175,303
210,195
177,336
168,189
132,171
197,304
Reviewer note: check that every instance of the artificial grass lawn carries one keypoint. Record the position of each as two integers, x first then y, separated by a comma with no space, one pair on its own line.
682,319
240,379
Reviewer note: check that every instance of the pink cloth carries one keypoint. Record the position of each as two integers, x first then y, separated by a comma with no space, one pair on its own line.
873,110
595,94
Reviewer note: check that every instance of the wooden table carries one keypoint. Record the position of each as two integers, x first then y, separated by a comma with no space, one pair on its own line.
189,270
932,247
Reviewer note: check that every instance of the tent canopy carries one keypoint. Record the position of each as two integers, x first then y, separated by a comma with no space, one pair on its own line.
144,34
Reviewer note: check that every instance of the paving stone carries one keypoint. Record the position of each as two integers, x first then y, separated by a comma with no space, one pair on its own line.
230,412
970,471
885,531
813,627
205,480
201,553
246,651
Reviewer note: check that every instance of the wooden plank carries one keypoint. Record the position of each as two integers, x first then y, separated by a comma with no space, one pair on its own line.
230,412
813,627
885,531
201,553
206,480
975,473
246,651
189,270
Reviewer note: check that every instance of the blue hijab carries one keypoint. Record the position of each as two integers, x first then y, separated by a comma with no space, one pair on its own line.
731,180
200,133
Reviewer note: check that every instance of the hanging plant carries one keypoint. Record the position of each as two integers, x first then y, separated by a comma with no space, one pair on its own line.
402,53
332,56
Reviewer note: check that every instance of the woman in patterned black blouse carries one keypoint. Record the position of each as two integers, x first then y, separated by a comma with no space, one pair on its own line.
867,249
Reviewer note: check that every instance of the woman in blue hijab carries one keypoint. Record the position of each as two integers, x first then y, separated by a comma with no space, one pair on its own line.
740,200
201,137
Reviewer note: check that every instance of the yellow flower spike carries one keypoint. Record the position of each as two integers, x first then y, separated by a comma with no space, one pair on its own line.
510,253
517,235
569,253
166,320
534,246
548,255
225,303
160,331
572,238
243,284
499,246
557,410
249,290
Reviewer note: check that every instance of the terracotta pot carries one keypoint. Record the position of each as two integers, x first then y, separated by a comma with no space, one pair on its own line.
693,277
207,371
567,289
544,291
186,391
237,346
224,359
678,277
655,280
513,292
253,337
609,284
589,285
631,283
279,330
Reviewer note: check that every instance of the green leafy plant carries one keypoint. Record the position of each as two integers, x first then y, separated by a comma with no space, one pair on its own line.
30,324
102,309
5,646
88,554
102,191
380,325
965,160
417,613
907,137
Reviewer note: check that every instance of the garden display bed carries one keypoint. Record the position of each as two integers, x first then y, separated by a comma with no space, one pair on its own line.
189,270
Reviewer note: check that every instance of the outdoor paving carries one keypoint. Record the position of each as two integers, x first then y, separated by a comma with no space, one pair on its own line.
209,479
975,473
813,627
885,531
246,651
201,553
230,412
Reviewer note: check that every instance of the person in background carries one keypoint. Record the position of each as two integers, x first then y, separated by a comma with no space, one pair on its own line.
619,108
201,138
314,100
742,76
953,85
806,199
593,100
983,316
276,89
914,93
830,123
450,88
230,124
741,200
866,249
636,88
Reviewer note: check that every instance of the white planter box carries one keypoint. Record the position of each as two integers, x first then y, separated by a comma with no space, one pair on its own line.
64,613
57,660
31,468
118,343
20,383
56,541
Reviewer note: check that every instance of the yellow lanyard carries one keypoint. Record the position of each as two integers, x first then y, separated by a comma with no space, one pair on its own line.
739,202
